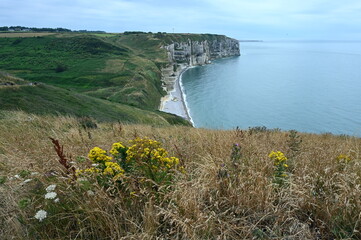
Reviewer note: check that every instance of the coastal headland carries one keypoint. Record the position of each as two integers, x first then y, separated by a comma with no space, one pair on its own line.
123,70
185,54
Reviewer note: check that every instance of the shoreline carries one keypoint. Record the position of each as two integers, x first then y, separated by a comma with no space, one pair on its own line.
183,100
174,101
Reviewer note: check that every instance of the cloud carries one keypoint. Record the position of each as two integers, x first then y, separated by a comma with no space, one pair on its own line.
235,18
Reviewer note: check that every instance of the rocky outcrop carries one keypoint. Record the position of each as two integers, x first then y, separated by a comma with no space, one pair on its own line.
200,52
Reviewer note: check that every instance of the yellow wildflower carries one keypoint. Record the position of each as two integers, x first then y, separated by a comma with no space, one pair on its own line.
98,155
115,148
114,166
87,171
113,169
182,170
108,171
92,170
175,160
278,157
342,158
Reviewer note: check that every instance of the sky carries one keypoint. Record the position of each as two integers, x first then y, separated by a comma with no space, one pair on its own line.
244,20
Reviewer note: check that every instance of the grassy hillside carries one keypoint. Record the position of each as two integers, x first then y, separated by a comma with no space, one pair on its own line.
45,99
227,191
91,64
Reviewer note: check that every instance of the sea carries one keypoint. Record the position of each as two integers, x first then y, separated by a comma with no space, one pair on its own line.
307,86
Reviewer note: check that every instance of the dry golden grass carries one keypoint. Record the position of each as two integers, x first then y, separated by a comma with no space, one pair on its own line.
216,199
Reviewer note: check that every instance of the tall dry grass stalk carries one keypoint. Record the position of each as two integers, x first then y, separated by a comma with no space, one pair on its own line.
215,199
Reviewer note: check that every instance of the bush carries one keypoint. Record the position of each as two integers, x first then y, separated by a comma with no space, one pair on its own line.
60,68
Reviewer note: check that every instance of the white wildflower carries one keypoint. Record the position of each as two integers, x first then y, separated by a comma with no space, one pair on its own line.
51,188
41,215
90,193
56,200
17,176
26,181
50,195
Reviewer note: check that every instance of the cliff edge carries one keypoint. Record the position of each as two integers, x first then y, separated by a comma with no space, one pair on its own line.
201,49
185,51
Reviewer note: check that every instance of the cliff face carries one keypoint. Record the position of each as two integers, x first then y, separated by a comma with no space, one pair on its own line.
186,50
199,52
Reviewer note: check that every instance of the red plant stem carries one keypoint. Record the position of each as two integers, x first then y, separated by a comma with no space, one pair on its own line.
62,158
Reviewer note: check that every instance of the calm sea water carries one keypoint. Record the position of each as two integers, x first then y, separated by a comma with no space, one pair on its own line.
307,86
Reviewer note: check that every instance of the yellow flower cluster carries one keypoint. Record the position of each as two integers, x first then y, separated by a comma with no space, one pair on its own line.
98,155
141,148
88,171
145,158
149,151
342,158
280,171
113,169
279,158
116,148
104,164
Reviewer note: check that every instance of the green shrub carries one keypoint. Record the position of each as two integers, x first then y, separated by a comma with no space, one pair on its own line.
60,68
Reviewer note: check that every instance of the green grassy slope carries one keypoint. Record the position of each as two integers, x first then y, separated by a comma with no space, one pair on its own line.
84,63
47,99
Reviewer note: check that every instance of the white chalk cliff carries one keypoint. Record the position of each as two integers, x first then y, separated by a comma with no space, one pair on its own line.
202,52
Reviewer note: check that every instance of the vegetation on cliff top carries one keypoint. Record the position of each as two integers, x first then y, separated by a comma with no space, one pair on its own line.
255,184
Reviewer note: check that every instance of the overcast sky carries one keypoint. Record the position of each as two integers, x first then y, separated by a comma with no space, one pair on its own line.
251,19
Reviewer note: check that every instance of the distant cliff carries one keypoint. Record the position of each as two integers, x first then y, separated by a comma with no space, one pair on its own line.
186,50
201,49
